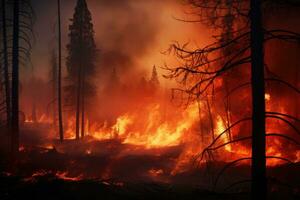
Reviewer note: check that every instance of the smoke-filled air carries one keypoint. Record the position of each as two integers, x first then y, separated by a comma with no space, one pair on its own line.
149,99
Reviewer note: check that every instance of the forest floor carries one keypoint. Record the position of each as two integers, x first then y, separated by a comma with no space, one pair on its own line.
91,169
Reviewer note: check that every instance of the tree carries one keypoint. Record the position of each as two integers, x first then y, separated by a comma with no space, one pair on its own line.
54,84
15,79
5,64
59,95
202,67
80,63
259,180
154,82
21,49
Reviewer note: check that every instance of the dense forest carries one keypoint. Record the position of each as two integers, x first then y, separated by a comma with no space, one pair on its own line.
128,99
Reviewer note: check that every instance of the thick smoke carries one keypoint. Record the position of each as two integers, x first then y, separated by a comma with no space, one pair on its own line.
125,31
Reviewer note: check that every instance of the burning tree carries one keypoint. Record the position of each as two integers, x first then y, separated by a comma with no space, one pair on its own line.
241,42
80,63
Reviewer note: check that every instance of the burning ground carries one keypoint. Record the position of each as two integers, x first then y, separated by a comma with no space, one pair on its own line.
156,144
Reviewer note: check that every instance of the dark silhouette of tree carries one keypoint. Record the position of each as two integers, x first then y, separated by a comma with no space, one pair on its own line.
203,66
15,78
80,62
5,64
259,180
54,86
153,83
22,23
59,90
154,78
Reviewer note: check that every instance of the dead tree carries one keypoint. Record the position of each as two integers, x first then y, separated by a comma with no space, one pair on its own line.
22,23
259,180
5,64
15,78
54,84
208,64
59,95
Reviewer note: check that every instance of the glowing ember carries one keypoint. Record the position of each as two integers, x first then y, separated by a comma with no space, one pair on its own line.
156,172
64,176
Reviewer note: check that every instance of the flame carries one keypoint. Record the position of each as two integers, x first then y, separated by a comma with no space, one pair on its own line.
220,128
267,97
149,127
64,176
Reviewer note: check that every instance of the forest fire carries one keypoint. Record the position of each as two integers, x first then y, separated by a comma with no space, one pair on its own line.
151,128
150,99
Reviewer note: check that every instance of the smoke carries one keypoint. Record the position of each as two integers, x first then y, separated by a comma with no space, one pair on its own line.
125,31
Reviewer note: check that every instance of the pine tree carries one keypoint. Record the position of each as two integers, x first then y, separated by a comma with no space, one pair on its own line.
80,62
154,82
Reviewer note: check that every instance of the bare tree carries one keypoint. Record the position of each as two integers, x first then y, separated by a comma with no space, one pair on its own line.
59,95
15,78
5,64
23,17
259,180
201,67
54,84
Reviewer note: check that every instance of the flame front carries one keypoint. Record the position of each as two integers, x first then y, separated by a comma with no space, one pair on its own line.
155,126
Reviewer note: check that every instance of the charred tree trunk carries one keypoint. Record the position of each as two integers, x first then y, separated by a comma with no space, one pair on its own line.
227,110
78,103
259,182
54,78
59,96
82,110
15,80
5,59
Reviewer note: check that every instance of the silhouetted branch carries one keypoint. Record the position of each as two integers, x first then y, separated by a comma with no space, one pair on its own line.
284,120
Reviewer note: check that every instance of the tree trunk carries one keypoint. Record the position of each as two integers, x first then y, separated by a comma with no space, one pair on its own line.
78,103
54,88
59,96
6,71
82,110
79,82
227,110
15,81
259,182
